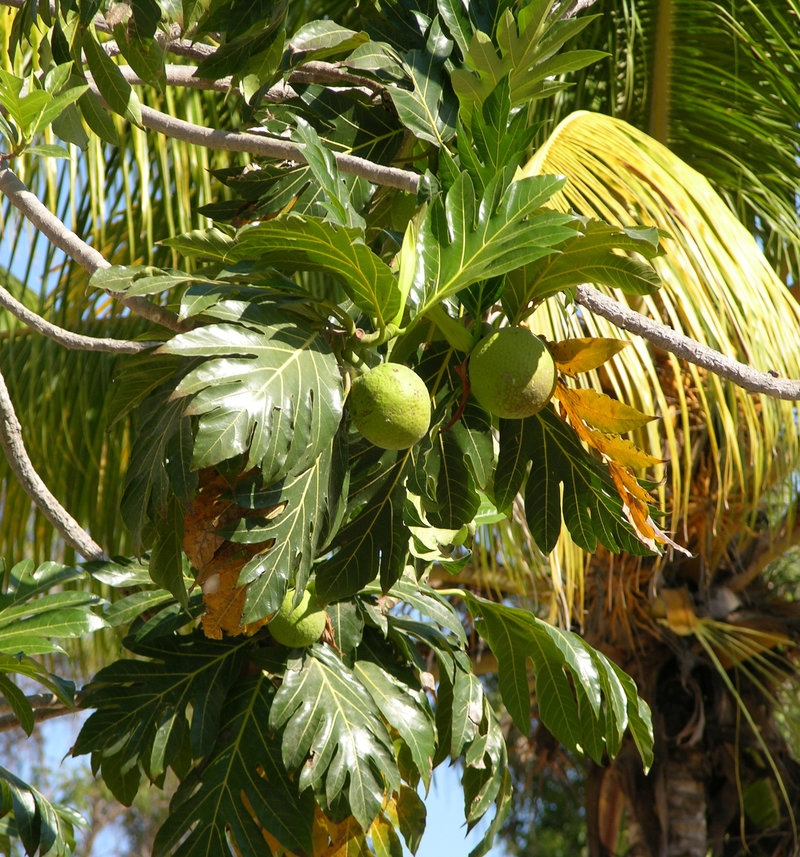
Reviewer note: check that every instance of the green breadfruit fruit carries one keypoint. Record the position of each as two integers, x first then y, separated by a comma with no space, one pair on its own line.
390,406
301,626
512,373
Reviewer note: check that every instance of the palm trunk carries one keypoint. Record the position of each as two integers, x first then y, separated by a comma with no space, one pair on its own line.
685,797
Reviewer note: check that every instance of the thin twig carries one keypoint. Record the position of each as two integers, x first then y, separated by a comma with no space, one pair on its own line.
67,338
19,462
269,147
45,706
689,349
183,75
75,247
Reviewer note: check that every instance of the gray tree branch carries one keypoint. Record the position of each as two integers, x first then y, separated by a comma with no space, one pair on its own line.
45,706
67,338
20,464
689,349
75,247
256,144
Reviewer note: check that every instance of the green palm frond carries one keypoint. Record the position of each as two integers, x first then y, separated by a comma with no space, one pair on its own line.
717,83
718,289
123,201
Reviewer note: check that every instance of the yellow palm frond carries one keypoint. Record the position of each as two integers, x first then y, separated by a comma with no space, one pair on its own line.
724,447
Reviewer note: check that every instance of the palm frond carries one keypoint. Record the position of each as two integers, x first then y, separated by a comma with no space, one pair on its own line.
724,447
717,84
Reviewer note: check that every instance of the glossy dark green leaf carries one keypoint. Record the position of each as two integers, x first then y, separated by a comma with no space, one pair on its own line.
324,39
312,244
242,789
302,512
323,166
591,712
168,563
147,485
372,544
132,697
591,507
429,110
273,392
471,238
333,734
405,709
347,622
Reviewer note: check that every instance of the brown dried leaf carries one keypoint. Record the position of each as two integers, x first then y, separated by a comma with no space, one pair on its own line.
581,355
218,562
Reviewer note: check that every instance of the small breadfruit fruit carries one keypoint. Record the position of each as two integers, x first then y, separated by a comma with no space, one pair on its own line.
301,626
512,373
390,406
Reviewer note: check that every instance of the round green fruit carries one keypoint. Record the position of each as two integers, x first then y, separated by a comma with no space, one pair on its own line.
512,373
298,627
390,406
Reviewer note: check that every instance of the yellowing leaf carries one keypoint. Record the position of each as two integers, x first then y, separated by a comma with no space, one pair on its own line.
681,618
345,839
603,412
582,355
622,451
384,838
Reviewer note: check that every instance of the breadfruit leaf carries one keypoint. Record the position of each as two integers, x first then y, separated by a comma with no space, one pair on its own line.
334,735
591,506
374,541
301,512
596,253
468,238
589,713
271,390
141,718
312,244
242,791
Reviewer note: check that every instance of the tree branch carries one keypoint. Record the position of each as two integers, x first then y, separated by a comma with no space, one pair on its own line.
256,144
75,341
20,464
45,706
689,349
75,247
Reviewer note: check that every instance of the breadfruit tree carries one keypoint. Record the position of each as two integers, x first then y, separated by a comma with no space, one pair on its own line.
288,230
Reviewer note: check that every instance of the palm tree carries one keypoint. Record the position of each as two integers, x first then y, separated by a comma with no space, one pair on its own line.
677,624
693,131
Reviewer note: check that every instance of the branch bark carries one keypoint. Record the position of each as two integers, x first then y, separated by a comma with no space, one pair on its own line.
75,341
75,247
45,706
689,349
256,144
20,464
